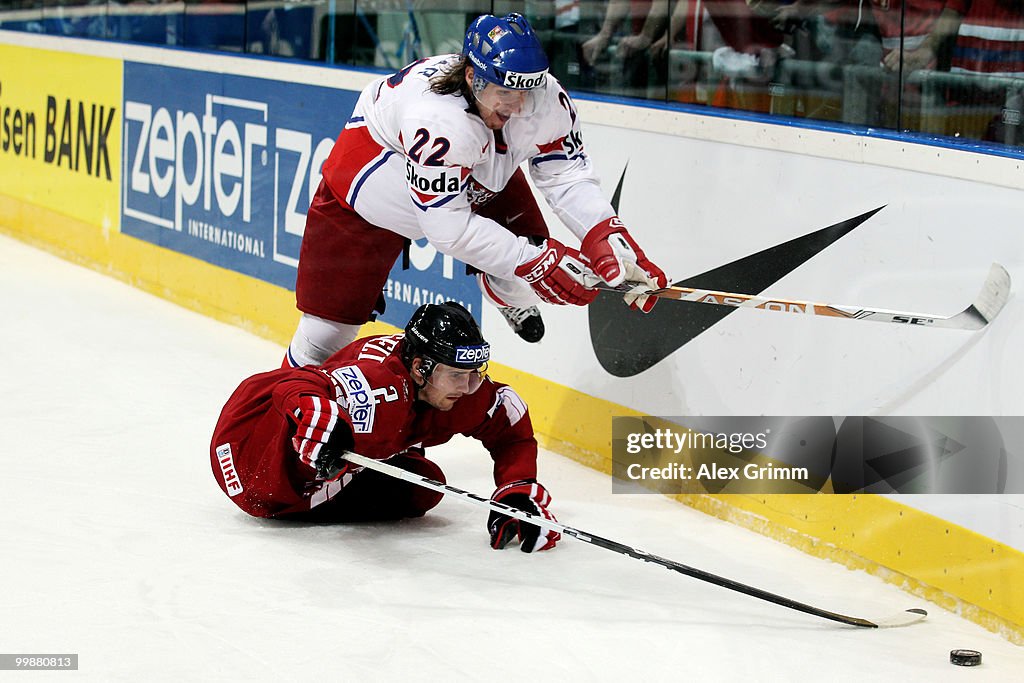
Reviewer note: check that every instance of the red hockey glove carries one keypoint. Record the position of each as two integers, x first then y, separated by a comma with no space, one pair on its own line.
557,275
321,436
528,495
617,258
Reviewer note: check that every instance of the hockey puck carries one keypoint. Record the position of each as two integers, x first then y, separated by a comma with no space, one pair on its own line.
965,657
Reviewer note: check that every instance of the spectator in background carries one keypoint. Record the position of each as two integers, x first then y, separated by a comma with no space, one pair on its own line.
682,30
835,24
987,38
990,40
904,34
900,33
746,58
891,34
646,20
618,11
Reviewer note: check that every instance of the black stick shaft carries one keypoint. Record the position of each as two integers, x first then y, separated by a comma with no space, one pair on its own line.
714,578
605,543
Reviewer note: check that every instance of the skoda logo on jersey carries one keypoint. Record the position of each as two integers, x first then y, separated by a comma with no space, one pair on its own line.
472,354
422,179
360,397
519,81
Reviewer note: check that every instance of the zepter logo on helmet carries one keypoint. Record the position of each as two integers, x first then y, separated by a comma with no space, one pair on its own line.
472,355
509,64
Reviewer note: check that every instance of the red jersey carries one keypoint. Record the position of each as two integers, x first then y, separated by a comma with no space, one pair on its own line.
741,28
919,20
255,462
991,37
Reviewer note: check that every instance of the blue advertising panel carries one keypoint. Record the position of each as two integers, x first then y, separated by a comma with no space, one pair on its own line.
223,168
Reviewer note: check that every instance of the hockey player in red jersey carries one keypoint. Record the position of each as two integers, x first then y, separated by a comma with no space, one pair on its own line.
435,150
277,447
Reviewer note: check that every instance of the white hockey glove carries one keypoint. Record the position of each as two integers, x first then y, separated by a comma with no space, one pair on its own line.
616,257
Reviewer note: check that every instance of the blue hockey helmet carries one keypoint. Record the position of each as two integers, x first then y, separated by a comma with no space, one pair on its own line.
505,51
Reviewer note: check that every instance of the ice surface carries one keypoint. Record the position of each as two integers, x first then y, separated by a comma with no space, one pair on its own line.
117,544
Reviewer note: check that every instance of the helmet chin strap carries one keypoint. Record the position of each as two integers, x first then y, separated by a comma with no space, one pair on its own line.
424,371
479,84
427,366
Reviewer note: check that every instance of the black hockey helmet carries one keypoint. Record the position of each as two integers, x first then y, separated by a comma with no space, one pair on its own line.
447,334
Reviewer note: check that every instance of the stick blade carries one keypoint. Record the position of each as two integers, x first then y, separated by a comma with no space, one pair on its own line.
994,294
905,618
990,301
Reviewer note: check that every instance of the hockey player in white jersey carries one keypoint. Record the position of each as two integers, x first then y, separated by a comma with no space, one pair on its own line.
435,151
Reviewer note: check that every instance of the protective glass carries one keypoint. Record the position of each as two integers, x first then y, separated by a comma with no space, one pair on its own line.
507,102
453,380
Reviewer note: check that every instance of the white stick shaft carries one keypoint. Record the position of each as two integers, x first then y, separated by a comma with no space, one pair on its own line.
985,308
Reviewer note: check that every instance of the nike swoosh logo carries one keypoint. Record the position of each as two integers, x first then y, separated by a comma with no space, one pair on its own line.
626,344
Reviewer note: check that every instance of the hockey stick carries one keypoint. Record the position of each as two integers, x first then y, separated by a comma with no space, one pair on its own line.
985,308
905,618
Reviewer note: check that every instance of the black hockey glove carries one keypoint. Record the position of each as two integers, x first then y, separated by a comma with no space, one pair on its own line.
528,495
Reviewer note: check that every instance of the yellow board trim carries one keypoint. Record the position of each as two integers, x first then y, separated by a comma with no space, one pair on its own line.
976,577
962,571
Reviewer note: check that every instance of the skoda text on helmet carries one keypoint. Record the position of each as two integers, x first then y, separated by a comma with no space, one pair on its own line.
505,52
446,334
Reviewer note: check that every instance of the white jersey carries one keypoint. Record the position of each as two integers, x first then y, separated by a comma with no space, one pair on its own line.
435,159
